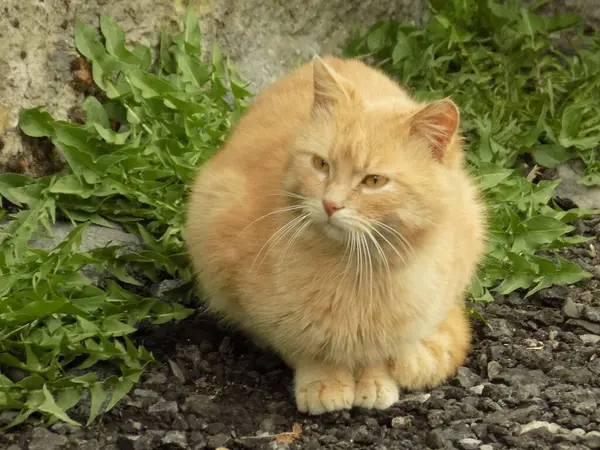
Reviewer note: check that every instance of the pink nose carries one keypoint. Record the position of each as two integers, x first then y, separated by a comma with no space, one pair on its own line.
331,207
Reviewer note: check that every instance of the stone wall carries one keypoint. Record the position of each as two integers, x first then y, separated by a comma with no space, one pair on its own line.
264,39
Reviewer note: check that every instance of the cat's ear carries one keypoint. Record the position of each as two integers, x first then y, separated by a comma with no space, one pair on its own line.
330,88
437,123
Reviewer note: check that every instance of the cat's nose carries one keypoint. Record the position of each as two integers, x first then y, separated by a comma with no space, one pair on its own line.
331,207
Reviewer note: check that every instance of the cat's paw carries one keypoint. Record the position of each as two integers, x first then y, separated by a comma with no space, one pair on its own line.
375,390
318,395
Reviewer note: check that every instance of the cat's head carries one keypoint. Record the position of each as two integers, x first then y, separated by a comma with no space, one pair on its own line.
365,167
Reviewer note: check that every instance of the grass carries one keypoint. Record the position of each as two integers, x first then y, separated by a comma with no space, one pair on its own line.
155,120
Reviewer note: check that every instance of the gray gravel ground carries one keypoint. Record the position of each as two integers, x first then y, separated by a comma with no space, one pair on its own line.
532,382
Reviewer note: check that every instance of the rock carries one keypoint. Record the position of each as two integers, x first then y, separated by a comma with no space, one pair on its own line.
486,447
493,370
42,439
201,405
165,410
174,439
569,187
589,339
592,327
594,365
435,439
157,378
417,398
218,440
469,443
591,313
477,389
401,421
553,428
217,427
266,426
585,407
592,439
572,309
466,378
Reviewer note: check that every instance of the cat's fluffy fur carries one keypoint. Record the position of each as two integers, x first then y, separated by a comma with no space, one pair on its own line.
370,298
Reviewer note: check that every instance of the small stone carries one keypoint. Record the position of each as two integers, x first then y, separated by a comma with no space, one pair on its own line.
586,406
493,370
266,426
572,309
466,378
592,439
435,439
592,327
591,313
127,442
216,428
198,440
218,440
175,439
202,405
594,365
553,428
469,443
401,421
156,378
486,447
163,409
417,398
589,339
477,389
578,431
177,371
42,439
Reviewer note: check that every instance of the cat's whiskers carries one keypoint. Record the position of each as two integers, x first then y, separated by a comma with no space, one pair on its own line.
301,227
276,211
405,243
367,228
278,235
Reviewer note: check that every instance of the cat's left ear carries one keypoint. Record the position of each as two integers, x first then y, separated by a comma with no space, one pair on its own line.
330,88
437,123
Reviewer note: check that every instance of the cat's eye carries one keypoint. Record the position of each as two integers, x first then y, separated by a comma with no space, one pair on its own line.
320,164
375,181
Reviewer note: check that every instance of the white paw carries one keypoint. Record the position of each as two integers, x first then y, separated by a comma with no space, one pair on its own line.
326,395
379,392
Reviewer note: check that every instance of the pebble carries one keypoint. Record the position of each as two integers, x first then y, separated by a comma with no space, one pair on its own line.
469,443
572,309
163,409
486,447
218,440
592,327
466,378
590,338
493,370
553,428
401,421
418,398
435,439
591,313
174,439
42,439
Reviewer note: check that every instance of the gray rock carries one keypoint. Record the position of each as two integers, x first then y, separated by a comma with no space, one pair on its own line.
175,439
493,370
592,439
200,405
572,309
401,421
594,365
42,439
165,410
592,327
590,338
486,447
218,440
569,187
591,313
469,443
466,378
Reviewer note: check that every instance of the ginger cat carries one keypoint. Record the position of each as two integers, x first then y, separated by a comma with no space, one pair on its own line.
338,226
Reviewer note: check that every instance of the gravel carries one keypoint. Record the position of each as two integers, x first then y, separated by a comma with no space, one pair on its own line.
532,382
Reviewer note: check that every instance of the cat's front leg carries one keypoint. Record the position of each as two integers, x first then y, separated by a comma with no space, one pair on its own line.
376,388
427,363
323,388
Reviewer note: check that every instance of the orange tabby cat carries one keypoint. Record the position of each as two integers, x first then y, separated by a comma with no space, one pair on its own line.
338,226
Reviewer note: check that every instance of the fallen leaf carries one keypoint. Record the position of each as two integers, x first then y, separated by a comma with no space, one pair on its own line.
289,436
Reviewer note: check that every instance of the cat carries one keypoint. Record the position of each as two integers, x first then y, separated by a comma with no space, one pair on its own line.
339,226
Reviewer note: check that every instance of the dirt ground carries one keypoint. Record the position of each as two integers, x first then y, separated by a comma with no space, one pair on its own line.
532,382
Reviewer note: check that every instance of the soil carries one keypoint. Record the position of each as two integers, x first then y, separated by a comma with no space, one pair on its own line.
532,381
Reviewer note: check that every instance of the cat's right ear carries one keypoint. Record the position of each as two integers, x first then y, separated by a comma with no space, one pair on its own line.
330,88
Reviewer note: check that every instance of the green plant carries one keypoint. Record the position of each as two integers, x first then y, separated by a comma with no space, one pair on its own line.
128,164
521,99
